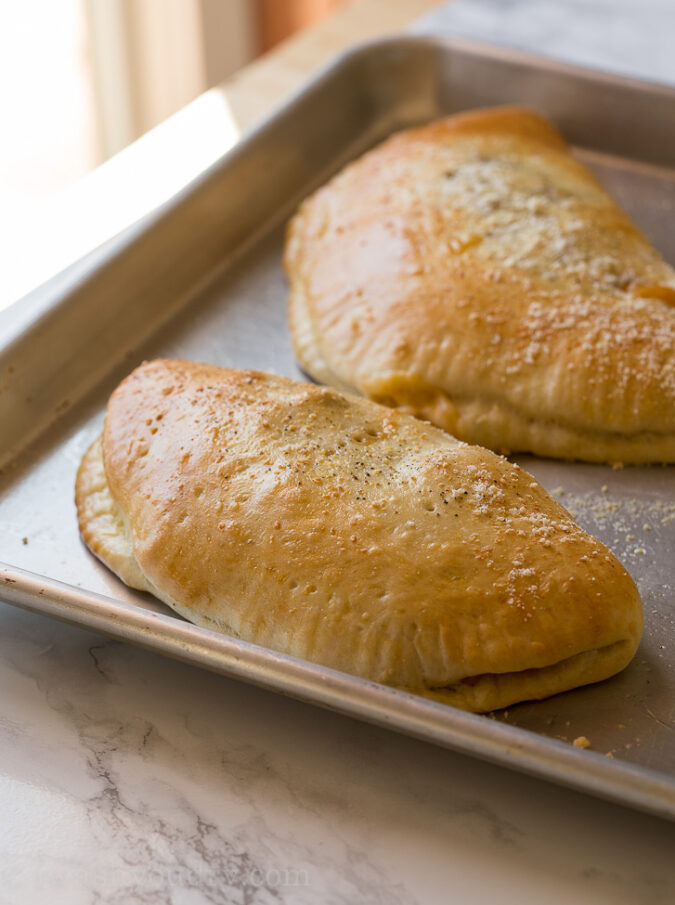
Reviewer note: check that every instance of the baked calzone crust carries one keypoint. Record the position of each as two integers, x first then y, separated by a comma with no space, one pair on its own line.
472,272
340,531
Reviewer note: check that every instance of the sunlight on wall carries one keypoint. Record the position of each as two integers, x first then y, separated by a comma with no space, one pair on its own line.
49,127
49,135
94,209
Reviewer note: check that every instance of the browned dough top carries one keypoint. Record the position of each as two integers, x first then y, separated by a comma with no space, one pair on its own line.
473,272
340,531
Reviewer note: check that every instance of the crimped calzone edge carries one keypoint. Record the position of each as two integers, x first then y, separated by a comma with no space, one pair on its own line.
336,530
473,272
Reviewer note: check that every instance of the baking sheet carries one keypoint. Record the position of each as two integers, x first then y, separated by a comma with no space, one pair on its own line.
202,280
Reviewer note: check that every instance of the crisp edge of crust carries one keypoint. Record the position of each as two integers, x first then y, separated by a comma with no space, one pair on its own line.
105,532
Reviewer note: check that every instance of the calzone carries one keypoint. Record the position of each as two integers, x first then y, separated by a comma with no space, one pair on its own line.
343,532
473,273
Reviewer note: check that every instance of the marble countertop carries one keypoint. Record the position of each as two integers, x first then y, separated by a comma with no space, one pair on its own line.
126,777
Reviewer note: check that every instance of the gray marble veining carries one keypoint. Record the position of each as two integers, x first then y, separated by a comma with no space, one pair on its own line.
126,777
129,778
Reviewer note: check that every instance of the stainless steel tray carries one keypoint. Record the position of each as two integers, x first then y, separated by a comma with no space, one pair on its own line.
201,279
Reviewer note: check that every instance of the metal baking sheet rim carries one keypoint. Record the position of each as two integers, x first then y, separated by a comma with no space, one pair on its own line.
519,749
391,708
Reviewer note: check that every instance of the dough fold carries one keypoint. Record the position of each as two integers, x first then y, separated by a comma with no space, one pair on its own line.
340,531
472,272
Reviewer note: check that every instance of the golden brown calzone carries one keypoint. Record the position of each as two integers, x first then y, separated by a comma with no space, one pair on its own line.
340,531
472,272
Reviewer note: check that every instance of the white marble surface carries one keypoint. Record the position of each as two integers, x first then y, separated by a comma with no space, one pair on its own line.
126,777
